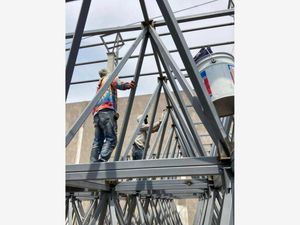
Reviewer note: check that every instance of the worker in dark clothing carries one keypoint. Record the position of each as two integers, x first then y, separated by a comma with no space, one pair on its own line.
105,118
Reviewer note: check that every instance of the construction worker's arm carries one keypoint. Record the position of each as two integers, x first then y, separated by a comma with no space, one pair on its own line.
156,126
144,127
121,85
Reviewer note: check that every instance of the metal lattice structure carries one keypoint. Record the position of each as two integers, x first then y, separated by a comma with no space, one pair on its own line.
177,166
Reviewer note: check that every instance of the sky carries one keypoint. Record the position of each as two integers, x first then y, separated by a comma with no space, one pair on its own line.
33,119
106,14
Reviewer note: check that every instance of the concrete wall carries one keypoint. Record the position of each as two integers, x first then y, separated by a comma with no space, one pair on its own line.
78,151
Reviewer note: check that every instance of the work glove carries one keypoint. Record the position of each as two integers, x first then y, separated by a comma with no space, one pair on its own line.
131,84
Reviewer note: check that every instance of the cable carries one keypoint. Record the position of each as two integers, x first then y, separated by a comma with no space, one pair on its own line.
181,10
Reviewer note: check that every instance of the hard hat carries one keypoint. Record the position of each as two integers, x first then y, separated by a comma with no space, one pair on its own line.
103,72
139,118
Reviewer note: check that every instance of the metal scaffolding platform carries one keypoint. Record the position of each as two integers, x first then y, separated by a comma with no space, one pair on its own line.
176,166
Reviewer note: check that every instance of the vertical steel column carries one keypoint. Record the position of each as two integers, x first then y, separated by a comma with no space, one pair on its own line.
180,101
183,141
227,210
182,122
191,68
77,215
70,211
82,213
152,99
160,133
76,42
88,109
176,213
167,211
154,110
210,209
119,212
163,135
175,145
142,218
112,210
199,212
101,210
89,213
168,145
156,215
131,99
131,209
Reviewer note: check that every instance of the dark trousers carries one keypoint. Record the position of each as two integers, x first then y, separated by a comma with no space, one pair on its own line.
105,138
137,153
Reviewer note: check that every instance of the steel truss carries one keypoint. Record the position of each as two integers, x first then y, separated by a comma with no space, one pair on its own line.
176,165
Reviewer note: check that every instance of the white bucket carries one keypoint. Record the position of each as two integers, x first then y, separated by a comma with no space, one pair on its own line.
217,72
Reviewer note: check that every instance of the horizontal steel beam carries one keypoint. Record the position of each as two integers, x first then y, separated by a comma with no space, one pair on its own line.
160,34
145,185
88,184
150,54
227,12
199,166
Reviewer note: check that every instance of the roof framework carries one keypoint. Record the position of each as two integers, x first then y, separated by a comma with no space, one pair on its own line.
176,166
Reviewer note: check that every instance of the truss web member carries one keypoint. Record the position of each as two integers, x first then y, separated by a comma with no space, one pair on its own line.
105,118
139,143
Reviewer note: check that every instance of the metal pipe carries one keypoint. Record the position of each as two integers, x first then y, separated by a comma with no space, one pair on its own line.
150,54
130,100
76,43
71,133
183,19
187,59
154,110
153,97
160,34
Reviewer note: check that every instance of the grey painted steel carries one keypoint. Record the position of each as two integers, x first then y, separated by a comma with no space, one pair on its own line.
173,184
154,110
130,100
183,82
151,54
192,70
77,215
181,146
151,163
185,113
187,152
160,34
160,134
169,171
103,203
209,210
112,210
174,147
147,108
87,184
177,72
184,120
156,215
89,213
131,208
80,208
119,212
157,23
70,211
71,133
142,217
76,43
176,212
144,10
168,144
